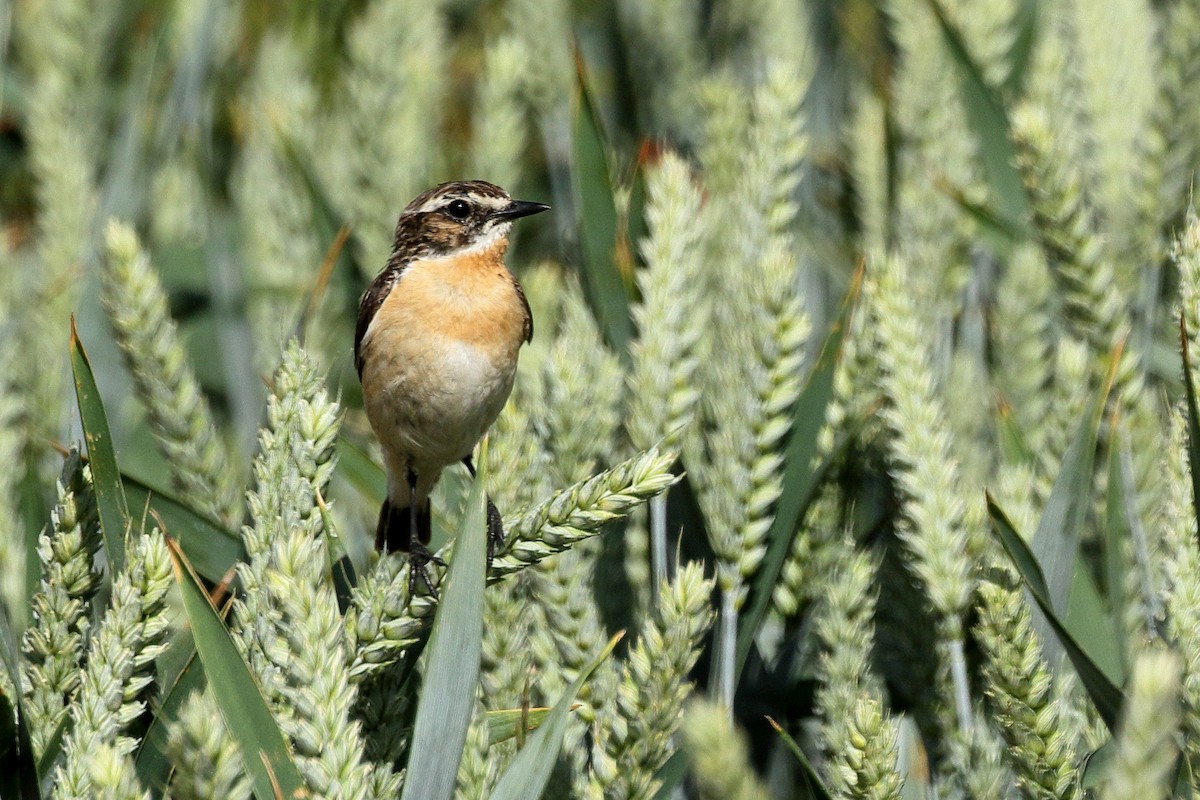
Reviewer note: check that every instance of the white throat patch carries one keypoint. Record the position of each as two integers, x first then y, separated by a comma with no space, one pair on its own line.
494,233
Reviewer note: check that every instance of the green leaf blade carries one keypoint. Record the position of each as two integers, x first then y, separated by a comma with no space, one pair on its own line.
812,780
1024,30
599,230
211,549
1193,415
529,771
360,470
106,478
265,752
452,667
183,675
1116,533
1106,696
505,724
1056,541
988,120
671,775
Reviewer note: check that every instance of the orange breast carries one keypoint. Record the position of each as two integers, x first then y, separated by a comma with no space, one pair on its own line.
470,298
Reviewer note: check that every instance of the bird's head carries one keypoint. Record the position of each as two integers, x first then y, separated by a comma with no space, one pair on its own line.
456,217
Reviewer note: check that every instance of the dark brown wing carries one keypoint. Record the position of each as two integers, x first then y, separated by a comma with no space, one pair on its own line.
528,314
370,302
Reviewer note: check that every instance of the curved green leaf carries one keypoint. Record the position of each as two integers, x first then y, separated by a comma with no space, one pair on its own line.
599,233
1023,33
248,718
106,479
360,470
341,568
989,122
1116,530
152,764
1056,541
211,548
1105,695
1096,765
528,772
812,780
670,775
1094,627
452,667
506,723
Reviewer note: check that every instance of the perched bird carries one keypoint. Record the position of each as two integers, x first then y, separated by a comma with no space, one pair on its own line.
436,348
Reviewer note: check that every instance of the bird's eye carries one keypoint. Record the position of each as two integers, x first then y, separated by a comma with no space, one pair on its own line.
458,209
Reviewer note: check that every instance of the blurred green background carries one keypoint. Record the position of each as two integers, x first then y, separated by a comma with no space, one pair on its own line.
1014,177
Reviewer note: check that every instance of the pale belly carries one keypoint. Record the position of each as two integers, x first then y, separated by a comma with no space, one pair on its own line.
435,397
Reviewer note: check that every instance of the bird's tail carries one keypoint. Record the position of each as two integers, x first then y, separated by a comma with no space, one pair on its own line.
395,530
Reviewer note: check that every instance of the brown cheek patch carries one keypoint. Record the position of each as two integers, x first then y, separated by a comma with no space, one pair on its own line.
445,235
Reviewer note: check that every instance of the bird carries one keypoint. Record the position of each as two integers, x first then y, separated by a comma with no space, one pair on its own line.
436,344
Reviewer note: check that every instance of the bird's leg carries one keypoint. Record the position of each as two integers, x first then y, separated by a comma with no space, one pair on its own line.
414,535
419,555
495,525
495,531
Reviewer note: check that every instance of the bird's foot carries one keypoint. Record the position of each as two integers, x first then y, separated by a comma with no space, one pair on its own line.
419,558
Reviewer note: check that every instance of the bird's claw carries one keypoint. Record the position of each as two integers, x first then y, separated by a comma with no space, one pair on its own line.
419,558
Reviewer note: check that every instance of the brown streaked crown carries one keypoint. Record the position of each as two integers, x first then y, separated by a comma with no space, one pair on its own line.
450,217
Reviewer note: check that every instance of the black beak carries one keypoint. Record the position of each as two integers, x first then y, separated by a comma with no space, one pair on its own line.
520,208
